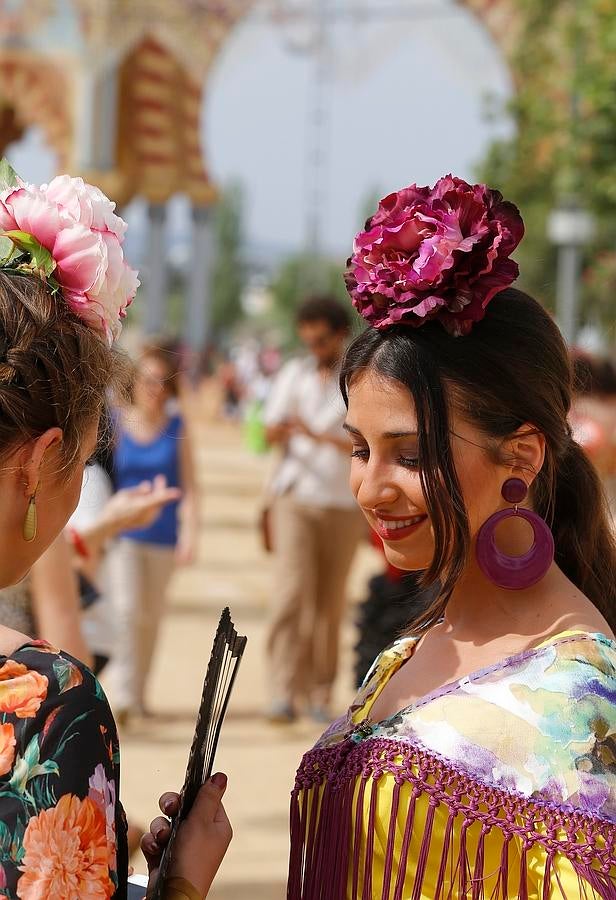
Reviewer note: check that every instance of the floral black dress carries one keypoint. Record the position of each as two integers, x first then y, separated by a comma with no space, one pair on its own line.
62,828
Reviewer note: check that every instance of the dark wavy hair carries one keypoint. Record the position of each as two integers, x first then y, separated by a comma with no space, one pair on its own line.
512,369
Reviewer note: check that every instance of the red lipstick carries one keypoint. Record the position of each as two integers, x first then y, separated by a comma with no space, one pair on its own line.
391,528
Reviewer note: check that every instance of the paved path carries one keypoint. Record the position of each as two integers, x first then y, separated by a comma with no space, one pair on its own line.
260,759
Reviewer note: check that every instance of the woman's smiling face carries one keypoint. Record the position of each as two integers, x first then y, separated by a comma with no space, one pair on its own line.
385,479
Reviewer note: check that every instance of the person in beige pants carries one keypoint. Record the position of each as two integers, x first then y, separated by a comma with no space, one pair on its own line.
139,575
316,524
314,551
151,442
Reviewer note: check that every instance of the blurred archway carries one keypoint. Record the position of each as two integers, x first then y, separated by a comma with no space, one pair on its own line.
117,87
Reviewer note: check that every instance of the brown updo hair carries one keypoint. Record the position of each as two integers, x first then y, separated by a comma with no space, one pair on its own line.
512,369
55,371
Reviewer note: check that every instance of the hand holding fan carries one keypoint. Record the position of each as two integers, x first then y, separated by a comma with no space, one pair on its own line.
222,669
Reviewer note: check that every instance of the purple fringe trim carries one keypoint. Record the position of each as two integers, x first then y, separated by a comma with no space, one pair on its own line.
332,848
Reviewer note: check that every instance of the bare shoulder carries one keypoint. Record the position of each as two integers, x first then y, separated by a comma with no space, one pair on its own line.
11,640
580,614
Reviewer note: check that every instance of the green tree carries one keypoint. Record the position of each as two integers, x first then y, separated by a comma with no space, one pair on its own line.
229,271
564,114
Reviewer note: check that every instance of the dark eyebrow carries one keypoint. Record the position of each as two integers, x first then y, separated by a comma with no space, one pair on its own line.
389,435
392,435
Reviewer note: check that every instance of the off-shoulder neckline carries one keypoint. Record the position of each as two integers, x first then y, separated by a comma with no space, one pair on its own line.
563,637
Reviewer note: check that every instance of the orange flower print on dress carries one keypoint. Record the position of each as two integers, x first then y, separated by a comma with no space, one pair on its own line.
7,751
66,853
22,690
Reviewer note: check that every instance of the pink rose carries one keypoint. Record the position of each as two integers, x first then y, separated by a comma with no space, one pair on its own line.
440,252
77,224
86,203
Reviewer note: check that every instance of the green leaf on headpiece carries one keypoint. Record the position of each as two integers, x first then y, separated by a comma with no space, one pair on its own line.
42,260
8,175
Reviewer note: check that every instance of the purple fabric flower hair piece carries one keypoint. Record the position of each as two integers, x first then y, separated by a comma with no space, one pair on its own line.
434,253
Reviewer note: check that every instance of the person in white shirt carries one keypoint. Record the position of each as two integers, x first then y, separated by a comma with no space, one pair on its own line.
316,526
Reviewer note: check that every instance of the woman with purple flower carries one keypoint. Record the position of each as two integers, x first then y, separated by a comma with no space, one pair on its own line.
479,757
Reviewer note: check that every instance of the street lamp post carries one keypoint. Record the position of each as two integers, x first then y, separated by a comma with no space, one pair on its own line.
570,228
321,16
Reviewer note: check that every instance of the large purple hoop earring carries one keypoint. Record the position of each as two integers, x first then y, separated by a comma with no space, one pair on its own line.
515,572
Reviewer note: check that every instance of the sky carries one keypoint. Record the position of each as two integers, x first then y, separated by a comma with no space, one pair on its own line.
406,100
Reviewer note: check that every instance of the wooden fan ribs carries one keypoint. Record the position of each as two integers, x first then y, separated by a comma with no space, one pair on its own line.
227,652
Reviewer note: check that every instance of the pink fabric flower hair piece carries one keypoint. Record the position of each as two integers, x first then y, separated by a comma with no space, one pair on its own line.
434,253
68,233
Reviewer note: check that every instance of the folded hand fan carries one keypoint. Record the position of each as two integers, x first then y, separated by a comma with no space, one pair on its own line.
222,669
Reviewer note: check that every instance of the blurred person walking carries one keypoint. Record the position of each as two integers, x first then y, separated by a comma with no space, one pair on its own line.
231,389
150,442
316,527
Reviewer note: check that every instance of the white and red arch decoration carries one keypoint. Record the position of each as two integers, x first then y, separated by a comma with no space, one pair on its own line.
163,53
160,110
36,90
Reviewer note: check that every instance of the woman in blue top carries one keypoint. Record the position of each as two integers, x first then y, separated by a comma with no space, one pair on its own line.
151,445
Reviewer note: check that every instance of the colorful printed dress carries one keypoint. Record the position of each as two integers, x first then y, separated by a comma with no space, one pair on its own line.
500,785
62,828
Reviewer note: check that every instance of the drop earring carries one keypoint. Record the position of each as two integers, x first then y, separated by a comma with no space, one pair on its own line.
30,521
515,572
